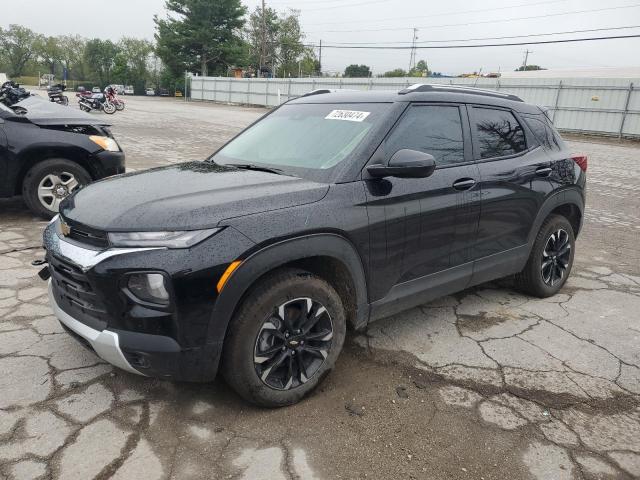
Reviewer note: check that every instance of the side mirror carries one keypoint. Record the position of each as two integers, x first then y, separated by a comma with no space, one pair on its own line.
405,164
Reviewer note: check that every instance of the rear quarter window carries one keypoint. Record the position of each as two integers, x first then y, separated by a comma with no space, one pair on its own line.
544,132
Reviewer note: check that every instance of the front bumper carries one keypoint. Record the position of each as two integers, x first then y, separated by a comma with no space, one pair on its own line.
108,164
105,343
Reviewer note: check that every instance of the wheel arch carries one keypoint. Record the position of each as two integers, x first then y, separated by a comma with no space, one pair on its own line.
31,157
329,256
568,203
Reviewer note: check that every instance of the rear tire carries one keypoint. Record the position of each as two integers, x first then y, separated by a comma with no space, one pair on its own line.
550,260
49,182
265,358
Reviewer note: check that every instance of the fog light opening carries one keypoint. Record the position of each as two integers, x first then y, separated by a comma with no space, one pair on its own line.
149,287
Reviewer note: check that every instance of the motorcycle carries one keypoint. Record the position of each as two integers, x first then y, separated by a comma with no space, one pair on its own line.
56,95
112,95
11,93
95,101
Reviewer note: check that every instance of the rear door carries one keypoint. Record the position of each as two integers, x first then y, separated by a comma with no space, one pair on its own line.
514,181
4,161
423,229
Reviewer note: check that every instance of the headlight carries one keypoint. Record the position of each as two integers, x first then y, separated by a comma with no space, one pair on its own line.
182,239
148,287
105,143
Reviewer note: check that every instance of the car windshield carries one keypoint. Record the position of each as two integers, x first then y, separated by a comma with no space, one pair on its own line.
303,136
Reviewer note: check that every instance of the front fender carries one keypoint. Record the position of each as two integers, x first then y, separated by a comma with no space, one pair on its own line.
273,256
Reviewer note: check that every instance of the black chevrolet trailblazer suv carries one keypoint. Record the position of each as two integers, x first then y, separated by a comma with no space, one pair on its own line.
333,210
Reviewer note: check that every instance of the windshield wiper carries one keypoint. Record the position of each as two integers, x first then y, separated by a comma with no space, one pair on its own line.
259,168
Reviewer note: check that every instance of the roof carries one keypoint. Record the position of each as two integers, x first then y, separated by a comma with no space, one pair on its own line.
420,93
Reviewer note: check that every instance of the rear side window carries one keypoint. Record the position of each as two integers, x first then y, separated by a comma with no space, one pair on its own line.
433,129
498,132
544,132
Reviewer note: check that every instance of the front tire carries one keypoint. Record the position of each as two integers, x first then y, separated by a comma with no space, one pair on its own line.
284,339
109,108
49,182
550,260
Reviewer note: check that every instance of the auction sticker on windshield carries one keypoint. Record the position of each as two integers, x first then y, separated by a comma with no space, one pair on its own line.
348,115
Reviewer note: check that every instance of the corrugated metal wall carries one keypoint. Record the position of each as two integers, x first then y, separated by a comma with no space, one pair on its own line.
599,105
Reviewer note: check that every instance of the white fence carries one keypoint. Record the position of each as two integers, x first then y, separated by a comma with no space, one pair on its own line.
602,106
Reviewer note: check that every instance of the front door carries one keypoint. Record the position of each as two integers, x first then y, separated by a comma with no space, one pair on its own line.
423,230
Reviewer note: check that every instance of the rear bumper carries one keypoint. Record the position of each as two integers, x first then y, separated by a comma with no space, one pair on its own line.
105,343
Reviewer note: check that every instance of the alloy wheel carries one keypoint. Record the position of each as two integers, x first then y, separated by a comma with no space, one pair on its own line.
293,343
556,257
54,188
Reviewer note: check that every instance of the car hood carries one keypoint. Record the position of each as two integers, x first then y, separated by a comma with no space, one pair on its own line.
187,196
43,112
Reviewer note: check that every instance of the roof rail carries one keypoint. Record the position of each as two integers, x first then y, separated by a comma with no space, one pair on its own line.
320,91
426,87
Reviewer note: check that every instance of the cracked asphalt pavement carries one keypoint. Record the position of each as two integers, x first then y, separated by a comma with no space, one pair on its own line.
485,384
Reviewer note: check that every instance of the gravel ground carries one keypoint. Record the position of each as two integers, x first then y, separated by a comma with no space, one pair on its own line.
485,384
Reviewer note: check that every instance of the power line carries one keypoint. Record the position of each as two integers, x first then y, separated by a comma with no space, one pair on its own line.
483,22
425,47
445,14
493,38
344,5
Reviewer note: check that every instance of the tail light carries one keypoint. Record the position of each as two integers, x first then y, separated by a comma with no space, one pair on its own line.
582,161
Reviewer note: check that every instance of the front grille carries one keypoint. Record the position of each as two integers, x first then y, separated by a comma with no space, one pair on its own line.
89,236
75,295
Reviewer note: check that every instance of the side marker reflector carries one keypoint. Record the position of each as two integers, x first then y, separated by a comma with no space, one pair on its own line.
227,273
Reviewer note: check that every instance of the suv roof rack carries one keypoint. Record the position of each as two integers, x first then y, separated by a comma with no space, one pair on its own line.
426,87
321,91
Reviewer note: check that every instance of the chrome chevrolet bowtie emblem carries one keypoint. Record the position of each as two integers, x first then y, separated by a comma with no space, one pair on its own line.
65,228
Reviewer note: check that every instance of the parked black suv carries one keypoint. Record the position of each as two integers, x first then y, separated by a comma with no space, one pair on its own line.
48,150
335,209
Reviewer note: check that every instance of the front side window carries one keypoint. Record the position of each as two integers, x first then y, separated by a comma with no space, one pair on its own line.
299,137
499,133
432,129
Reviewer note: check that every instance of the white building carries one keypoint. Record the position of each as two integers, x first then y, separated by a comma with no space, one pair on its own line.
600,72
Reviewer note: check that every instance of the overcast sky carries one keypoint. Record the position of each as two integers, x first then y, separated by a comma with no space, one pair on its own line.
376,21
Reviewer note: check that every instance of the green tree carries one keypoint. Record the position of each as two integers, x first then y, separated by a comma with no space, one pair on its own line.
49,52
259,30
131,63
200,35
358,71
290,46
529,68
18,47
284,49
309,64
398,72
72,54
100,58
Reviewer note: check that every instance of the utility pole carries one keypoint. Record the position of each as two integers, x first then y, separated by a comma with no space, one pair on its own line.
412,59
263,39
320,59
526,58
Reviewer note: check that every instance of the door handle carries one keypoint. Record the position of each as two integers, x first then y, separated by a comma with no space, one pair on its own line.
464,184
544,171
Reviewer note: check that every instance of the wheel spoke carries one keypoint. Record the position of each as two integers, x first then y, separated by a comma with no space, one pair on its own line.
276,363
324,335
317,351
293,343
302,371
